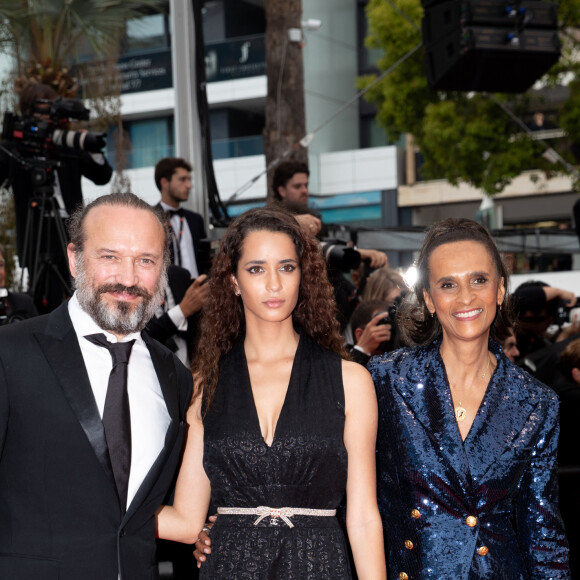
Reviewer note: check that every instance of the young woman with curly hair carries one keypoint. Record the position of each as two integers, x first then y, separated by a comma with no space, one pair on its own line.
281,425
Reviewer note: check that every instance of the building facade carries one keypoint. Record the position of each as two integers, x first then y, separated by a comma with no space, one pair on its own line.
357,177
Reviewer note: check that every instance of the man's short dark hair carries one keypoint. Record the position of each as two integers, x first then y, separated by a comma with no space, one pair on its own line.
364,313
285,172
167,166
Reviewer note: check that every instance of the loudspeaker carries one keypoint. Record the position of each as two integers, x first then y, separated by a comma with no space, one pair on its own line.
480,58
443,18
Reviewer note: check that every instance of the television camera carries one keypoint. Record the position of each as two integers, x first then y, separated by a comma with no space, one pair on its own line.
39,143
46,130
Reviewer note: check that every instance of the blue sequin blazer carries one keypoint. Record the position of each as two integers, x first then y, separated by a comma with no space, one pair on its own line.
485,508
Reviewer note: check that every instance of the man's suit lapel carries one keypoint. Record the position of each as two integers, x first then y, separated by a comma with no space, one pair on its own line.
164,364
426,394
171,241
60,346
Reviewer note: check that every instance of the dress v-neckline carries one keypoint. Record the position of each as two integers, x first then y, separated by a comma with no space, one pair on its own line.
482,403
284,404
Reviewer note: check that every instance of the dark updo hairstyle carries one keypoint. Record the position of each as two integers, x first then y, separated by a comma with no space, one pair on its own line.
223,322
417,326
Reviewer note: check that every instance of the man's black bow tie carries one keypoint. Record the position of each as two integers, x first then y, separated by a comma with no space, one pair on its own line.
171,212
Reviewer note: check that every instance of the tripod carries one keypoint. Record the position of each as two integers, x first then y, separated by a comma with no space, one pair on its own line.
45,254
44,231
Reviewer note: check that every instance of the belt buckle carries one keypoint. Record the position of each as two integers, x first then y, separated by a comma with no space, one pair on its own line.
274,517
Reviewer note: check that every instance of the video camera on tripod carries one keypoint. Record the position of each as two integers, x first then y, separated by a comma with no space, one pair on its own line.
40,142
36,136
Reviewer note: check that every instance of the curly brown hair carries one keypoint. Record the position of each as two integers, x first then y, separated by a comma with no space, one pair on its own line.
223,322
416,325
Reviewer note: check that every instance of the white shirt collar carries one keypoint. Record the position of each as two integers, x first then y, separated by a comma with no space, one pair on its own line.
167,207
84,324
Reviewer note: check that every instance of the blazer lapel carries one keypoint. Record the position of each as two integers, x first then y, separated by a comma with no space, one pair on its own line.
164,364
60,346
501,398
427,396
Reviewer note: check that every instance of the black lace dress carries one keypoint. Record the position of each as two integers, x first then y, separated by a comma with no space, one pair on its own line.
305,467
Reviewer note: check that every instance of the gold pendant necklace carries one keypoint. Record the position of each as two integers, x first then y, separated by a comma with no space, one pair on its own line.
459,410
460,413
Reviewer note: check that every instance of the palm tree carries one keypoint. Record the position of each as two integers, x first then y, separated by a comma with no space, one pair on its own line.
45,35
45,38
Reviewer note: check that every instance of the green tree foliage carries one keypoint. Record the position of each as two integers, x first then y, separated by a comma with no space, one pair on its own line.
464,136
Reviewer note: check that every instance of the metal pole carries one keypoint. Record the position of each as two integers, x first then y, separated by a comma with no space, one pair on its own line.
186,119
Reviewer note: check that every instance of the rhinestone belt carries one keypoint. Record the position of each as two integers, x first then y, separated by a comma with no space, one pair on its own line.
284,513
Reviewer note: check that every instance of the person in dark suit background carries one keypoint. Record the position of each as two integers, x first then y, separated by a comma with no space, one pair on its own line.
175,323
13,306
566,383
64,513
173,180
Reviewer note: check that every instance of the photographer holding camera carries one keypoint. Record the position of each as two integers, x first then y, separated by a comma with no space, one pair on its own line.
371,327
290,187
44,162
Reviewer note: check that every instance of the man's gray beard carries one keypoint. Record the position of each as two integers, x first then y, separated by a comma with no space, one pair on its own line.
122,317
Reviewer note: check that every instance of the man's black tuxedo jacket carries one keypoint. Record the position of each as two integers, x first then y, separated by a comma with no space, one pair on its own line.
163,328
59,512
197,229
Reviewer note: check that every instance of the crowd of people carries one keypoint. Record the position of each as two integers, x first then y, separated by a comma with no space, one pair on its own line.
236,410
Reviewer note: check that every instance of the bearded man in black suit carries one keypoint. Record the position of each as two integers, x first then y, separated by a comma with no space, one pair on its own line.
66,509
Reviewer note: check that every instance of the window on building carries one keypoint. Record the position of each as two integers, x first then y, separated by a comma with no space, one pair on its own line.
372,134
147,33
223,19
151,140
236,132
368,57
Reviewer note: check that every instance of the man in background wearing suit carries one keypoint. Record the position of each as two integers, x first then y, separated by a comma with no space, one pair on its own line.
175,323
173,179
88,447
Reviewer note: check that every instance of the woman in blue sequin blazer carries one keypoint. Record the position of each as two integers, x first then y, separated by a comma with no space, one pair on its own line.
467,440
